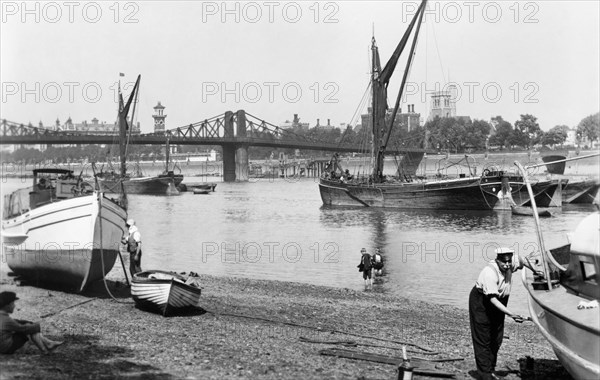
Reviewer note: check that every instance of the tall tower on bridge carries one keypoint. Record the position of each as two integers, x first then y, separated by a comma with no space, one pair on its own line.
159,118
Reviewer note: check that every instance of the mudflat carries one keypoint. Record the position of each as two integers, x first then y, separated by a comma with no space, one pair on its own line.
255,329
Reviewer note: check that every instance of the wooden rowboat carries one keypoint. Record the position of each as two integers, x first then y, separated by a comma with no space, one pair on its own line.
166,292
528,211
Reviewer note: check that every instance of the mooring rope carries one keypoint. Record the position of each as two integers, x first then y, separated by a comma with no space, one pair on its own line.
323,330
102,253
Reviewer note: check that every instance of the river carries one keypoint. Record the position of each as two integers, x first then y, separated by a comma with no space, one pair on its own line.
278,229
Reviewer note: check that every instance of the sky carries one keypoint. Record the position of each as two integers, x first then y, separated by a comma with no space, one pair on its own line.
276,59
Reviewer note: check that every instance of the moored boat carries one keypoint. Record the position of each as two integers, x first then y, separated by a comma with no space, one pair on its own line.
166,292
69,232
209,186
177,178
582,191
575,189
64,230
572,329
469,193
528,211
405,189
563,303
113,182
168,172
154,185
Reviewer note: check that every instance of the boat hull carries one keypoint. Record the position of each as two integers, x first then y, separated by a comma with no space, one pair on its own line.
142,185
69,243
528,211
573,333
208,186
177,178
580,192
472,193
166,294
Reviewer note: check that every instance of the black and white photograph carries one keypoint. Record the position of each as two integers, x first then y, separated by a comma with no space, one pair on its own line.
300,189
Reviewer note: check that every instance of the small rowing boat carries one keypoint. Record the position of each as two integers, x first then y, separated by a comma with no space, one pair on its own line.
200,191
164,291
528,211
210,186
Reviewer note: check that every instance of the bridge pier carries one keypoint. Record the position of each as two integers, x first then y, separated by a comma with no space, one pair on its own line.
236,166
228,163
228,149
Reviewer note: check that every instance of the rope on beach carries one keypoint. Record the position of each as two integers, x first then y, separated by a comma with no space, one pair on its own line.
323,330
352,343
67,308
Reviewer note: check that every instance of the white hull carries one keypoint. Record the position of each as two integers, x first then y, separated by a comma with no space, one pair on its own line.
166,292
574,334
61,242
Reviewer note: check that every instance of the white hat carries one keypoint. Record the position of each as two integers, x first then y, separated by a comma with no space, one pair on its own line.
504,251
130,222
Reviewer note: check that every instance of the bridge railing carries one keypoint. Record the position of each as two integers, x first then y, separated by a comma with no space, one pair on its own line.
225,129
10,128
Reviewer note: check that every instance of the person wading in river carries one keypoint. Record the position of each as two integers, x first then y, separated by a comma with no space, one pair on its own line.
377,262
365,267
133,241
487,308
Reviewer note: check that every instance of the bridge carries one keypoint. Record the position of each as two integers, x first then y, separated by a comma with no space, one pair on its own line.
233,131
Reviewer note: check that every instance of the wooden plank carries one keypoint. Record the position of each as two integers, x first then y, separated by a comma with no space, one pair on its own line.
421,367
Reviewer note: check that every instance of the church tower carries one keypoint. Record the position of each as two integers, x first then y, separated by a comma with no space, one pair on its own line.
159,118
443,103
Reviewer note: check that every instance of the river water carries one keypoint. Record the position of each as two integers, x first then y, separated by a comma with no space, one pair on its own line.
278,229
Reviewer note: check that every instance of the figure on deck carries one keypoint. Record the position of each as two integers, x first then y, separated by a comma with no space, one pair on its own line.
346,176
333,166
505,199
42,184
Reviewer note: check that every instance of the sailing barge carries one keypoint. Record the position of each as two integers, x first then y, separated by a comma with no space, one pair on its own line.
406,190
112,182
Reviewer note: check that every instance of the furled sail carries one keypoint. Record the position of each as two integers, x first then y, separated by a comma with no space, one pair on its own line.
380,80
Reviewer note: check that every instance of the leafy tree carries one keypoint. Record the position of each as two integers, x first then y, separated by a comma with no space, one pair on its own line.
527,131
589,127
503,131
477,133
555,136
455,134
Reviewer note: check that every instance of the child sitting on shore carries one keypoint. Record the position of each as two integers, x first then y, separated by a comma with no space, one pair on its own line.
15,333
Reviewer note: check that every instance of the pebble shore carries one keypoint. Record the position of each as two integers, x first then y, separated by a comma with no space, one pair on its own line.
254,329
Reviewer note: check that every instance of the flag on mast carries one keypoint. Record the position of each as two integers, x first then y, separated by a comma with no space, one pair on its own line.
121,74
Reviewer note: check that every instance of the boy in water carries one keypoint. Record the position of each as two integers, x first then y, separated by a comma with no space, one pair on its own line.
365,264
